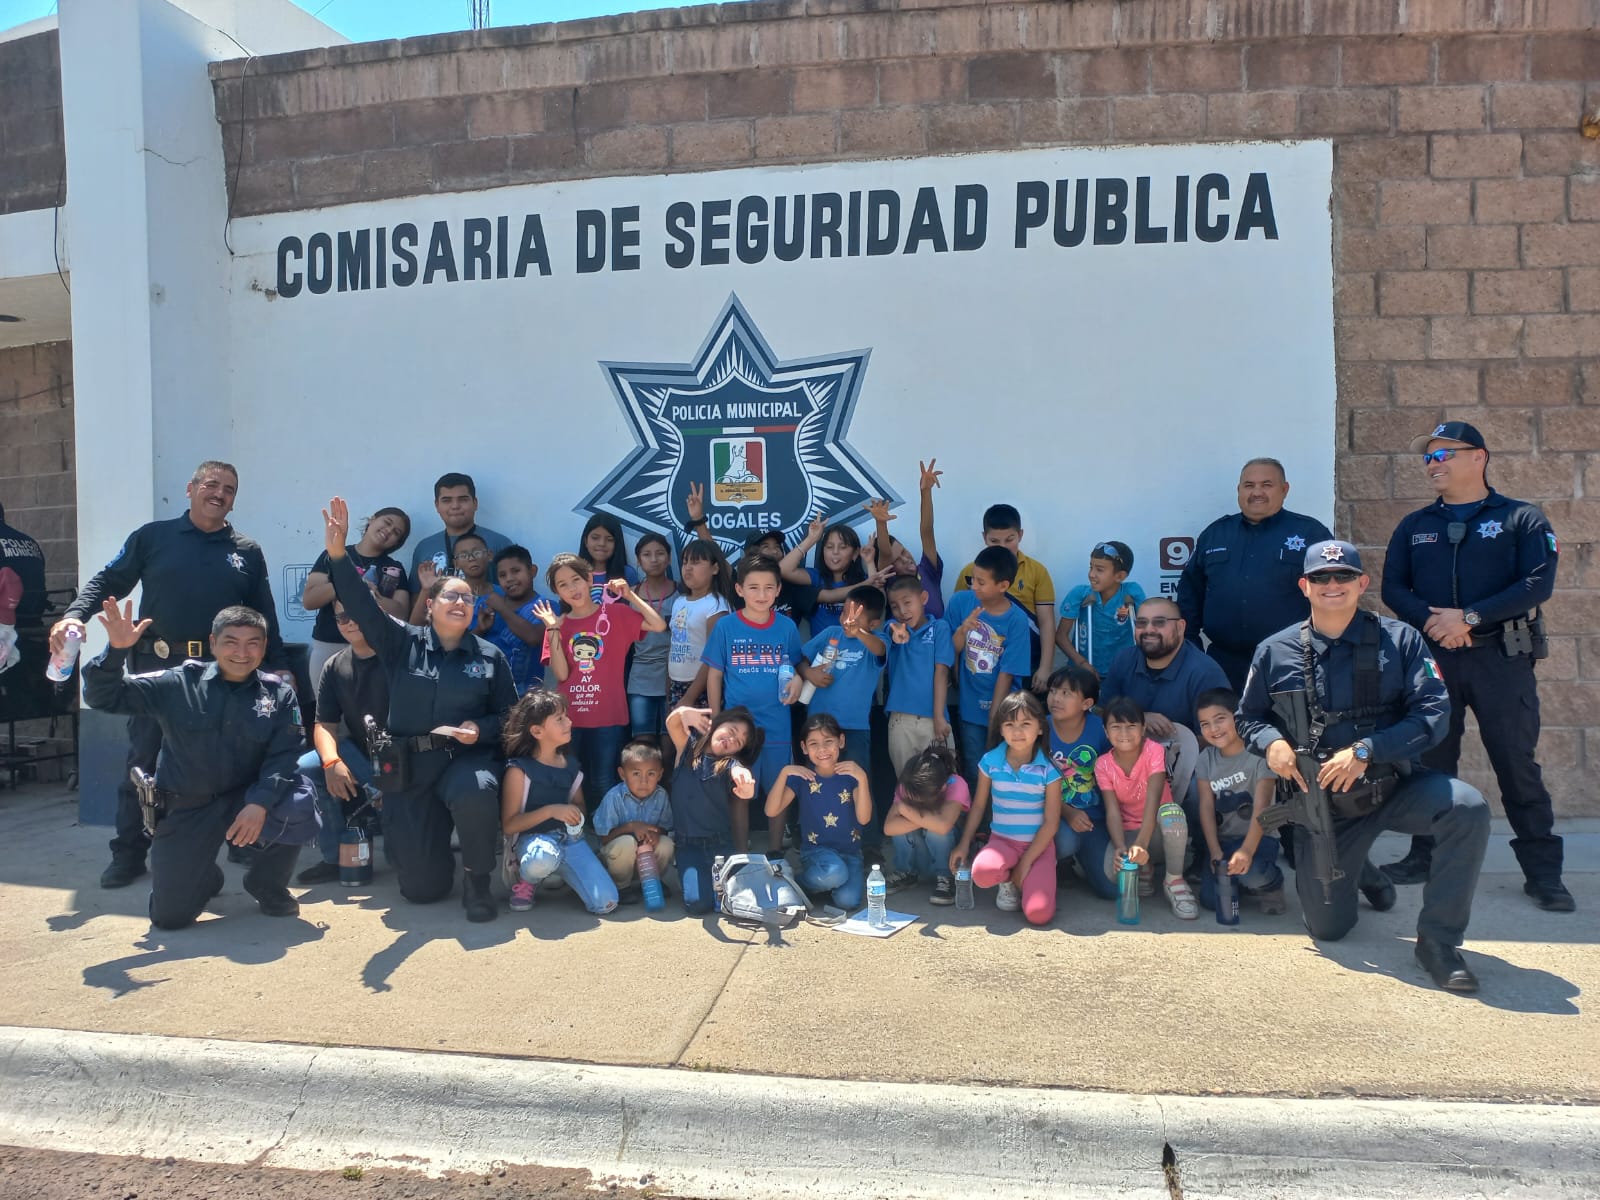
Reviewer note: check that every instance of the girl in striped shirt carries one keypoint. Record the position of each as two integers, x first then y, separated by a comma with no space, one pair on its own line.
1026,790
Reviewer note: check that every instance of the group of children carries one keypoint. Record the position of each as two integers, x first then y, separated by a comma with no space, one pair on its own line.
721,691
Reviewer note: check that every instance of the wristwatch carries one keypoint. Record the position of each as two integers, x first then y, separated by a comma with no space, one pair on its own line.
1362,750
1471,618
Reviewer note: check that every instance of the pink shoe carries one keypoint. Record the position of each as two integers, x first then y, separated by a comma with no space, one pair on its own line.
521,896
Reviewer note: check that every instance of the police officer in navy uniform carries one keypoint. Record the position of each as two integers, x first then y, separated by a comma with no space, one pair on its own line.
1471,570
441,677
192,567
1370,756
1241,583
231,739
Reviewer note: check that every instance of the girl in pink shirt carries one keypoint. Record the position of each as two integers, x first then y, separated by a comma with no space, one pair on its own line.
1133,782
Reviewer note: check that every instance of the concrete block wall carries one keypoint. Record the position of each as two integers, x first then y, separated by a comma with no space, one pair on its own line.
38,479
32,153
1466,199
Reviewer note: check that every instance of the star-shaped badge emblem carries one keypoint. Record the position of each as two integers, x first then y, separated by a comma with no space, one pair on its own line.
236,561
1294,542
1333,553
764,436
265,706
1490,529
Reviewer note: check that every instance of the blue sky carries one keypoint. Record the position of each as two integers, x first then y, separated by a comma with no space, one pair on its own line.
370,20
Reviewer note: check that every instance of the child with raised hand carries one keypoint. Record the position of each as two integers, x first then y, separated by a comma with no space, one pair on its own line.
989,635
707,594
844,664
647,677
1097,617
1025,787
1133,786
711,783
514,626
471,559
602,547
920,657
835,807
586,650
541,804
1077,740
837,569
1235,786
928,802
890,552
635,815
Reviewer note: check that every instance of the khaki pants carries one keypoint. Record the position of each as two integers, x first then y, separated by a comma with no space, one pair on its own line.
620,852
908,737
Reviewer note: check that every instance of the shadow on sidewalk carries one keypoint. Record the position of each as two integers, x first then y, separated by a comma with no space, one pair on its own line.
1504,985
245,939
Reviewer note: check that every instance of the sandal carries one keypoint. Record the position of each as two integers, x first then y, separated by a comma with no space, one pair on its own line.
1181,898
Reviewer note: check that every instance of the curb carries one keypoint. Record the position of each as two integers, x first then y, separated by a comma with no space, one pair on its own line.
703,1134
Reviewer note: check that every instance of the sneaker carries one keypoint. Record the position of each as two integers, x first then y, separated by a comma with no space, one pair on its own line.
1008,897
899,881
322,872
1181,897
1272,902
944,891
521,896
475,897
632,893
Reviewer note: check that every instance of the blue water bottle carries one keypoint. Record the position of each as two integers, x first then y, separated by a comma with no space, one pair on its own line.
1128,892
1227,894
649,879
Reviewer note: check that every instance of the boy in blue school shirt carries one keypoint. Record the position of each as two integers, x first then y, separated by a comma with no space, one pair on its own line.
847,685
920,657
990,636
1097,617
515,628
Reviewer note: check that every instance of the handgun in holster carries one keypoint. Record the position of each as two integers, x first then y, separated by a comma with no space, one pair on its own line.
149,807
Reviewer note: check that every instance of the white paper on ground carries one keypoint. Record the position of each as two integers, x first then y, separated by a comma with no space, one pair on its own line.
857,924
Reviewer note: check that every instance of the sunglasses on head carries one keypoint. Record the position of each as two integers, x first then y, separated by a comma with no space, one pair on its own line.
1341,576
1443,454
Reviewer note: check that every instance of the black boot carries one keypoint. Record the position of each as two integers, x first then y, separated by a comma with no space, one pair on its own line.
475,897
122,872
1550,895
1377,888
1415,866
1446,966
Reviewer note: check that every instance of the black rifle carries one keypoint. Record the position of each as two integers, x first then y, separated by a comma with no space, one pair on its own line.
1308,809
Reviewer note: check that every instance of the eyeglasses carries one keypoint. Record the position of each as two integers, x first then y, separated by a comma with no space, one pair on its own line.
1154,622
471,555
1336,576
343,618
456,597
1443,454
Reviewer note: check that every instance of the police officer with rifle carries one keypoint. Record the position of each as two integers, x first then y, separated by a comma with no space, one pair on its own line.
1343,705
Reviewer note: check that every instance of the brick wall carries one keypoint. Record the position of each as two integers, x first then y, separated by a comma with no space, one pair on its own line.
32,153
38,482
1466,201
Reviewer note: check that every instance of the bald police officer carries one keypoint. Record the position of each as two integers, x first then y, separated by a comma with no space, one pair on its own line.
1470,571
191,568
1241,583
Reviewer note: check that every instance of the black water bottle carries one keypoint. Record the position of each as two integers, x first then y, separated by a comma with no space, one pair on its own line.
1227,895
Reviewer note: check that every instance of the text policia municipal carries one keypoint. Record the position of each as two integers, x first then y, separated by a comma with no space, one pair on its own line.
751,229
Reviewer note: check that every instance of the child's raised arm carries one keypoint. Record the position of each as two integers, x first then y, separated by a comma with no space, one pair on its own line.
782,795
863,791
554,652
929,481
621,589
684,722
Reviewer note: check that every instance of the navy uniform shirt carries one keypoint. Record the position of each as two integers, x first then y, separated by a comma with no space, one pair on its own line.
22,554
1506,565
1409,686
429,685
1241,583
189,576
217,737
1172,690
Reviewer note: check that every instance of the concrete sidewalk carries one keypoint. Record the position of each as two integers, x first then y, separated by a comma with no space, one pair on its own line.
1167,1008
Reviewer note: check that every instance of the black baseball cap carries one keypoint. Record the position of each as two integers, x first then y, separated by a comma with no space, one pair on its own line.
1450,431
1331,556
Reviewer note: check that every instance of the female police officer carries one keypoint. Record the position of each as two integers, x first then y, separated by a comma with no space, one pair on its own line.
448,693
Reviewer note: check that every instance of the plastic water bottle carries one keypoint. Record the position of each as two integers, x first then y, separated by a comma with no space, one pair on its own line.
61,663
965,897
650,879
355,857
877,899
1128,892
785,677
1227,895
824,661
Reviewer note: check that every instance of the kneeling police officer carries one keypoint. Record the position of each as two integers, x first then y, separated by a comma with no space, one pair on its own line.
231,736
1373,702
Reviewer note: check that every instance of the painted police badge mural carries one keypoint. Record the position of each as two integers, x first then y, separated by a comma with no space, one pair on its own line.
764,436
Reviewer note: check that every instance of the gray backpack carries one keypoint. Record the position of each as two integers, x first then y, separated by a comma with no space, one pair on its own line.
753,888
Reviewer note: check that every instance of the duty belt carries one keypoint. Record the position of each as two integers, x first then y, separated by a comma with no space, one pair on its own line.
423,742
158,647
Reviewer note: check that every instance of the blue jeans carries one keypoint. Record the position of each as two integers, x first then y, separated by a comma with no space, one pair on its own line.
647,715
974,743
329,805
924,851
1264,873
546,854
598,751
824,870
695,856
1089,849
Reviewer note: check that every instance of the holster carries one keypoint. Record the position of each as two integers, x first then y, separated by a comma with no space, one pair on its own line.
1382,781
391,760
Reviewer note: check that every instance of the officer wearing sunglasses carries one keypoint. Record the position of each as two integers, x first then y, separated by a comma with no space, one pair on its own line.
1471,570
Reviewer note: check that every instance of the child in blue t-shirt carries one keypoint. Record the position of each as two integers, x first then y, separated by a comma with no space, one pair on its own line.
835,807
837,568
1077,740
844,663
1097,617
920,657
744,654
989,635
514,627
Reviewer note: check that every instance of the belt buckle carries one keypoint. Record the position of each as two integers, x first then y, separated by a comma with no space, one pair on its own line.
196,650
